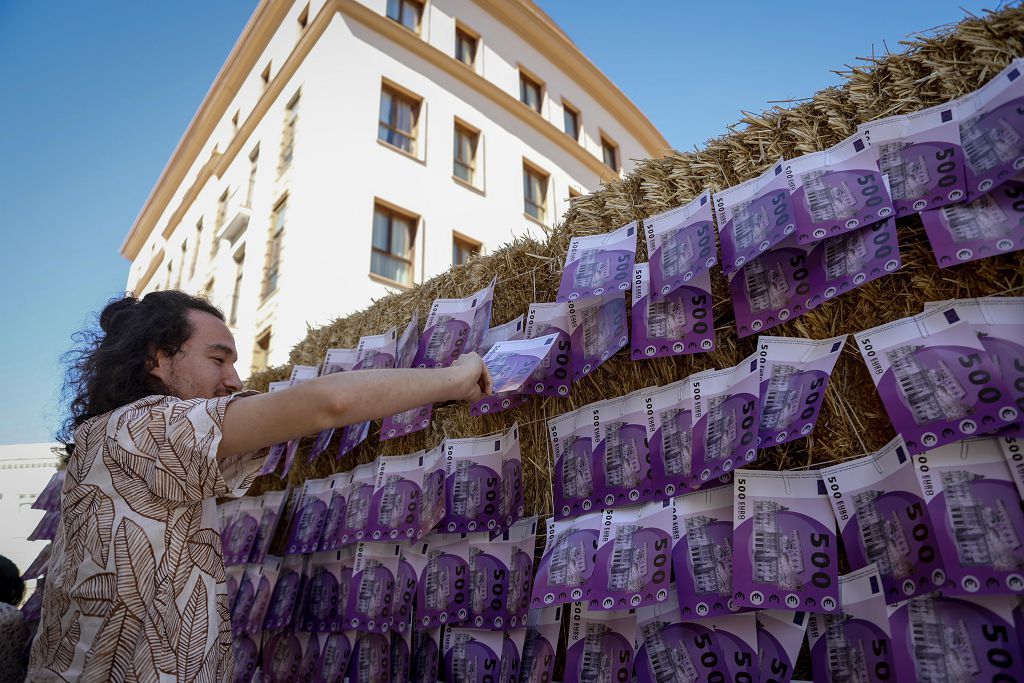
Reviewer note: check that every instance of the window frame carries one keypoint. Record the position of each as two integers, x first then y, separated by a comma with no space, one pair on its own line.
261,348
196,248
533,169
525,75
291,121
397,92
254,161
236,287
274,250
474,165
392,211
461,240
401,7
577,116
607,141
474,37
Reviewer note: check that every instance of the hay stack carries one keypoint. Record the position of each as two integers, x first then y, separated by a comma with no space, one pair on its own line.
932,69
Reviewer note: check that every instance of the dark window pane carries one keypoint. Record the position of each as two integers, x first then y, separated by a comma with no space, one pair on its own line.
571,124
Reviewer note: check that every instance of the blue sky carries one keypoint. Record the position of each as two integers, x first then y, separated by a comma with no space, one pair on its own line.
98,94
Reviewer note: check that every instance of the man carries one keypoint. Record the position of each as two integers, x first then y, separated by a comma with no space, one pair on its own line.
135,589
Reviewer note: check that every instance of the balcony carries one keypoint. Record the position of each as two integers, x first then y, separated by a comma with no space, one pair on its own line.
237,214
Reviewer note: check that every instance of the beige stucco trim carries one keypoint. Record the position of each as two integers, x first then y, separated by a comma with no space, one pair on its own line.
521,15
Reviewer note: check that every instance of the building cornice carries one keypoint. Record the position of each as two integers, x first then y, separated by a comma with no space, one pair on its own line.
521,16
248,48
537,29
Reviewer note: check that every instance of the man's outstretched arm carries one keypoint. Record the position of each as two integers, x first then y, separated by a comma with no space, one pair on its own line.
344,398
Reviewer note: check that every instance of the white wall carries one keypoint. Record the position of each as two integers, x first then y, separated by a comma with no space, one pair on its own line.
339,167
24,471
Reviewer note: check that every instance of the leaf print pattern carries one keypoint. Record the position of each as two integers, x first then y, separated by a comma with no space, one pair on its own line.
205,552
136,589
109,658
191,645
136,568
66,649
95,595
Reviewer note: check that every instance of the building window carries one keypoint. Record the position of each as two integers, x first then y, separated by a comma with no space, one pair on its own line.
463,249
261,352
610,152
394,237
218,223
274,249
535,192
181,268
465,46
291,118
399,114
406,12
195,252
466,142
239,260
254,160
531,92
571,117
303,18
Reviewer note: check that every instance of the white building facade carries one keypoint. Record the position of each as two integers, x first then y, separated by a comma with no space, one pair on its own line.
25,469
350,148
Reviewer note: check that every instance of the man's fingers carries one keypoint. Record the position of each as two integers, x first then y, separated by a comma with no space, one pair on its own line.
486,383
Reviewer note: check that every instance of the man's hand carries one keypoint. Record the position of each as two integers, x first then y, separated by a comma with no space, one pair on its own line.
471,379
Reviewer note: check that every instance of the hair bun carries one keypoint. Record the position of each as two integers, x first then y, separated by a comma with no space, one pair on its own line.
114,309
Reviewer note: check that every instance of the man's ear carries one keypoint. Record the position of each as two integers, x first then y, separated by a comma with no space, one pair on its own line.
159,364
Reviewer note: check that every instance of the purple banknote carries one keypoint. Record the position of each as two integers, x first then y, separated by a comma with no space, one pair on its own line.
884,521
540,647
597,330
991,223
854,643
600,646
672,324
785,540
754,216
939,637
669,648
937,388
680,243
702,552
780,635
920,155
669,412
554,376
837,189
976,511
598,264
794,375
633,563
568,562
726,415
992,130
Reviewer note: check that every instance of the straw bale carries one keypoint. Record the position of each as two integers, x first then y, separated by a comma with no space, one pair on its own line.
931,68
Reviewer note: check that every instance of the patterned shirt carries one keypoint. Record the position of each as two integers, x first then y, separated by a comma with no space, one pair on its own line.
136,589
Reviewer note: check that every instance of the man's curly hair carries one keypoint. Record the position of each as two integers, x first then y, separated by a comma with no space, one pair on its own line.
110,366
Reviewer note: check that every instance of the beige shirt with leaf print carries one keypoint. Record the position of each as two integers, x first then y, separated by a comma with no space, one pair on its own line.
136,590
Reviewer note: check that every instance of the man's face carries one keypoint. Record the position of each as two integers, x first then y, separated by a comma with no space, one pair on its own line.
205,366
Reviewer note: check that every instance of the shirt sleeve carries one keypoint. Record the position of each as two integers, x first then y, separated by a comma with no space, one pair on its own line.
172,445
